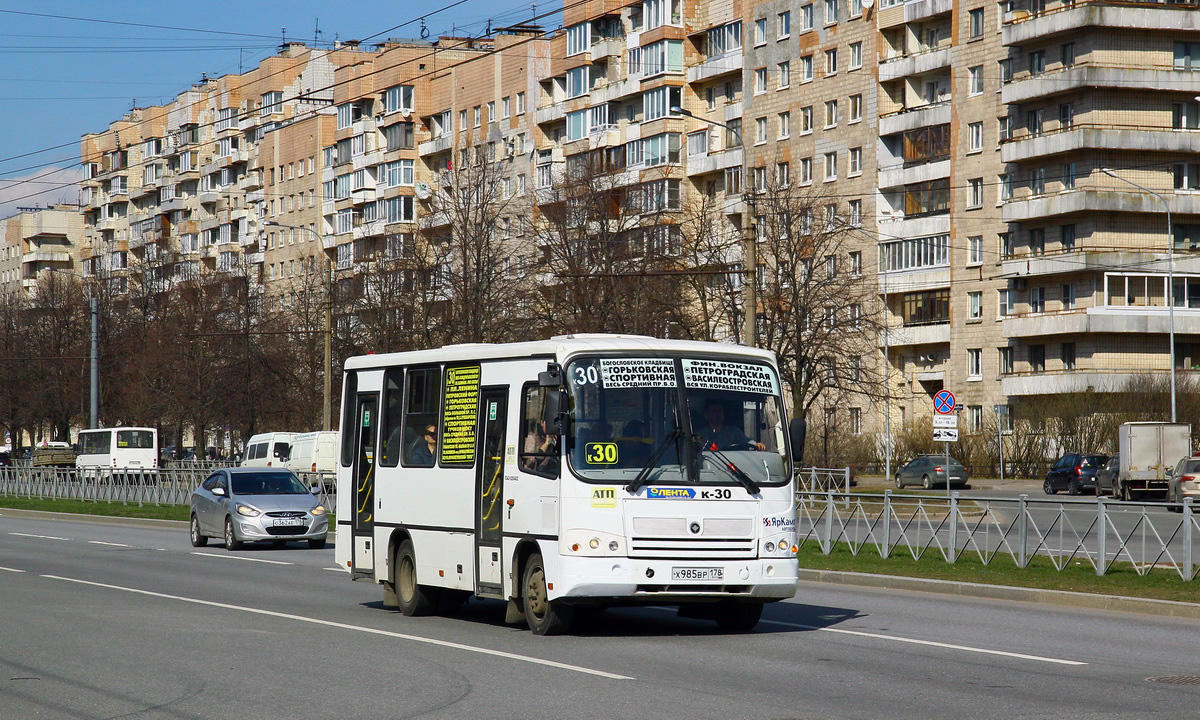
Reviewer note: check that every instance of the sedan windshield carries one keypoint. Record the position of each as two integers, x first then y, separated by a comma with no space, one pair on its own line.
676,420
267,483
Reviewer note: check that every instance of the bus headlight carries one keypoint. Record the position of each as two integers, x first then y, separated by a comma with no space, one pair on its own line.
591,543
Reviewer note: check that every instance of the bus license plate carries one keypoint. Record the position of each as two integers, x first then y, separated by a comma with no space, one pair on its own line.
289,522
704,573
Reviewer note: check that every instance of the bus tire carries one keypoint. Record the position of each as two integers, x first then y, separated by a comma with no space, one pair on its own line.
414,600
543,615
739,617
198,538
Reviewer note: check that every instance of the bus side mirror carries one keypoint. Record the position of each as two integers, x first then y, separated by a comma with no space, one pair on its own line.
551,377
797,429
552,412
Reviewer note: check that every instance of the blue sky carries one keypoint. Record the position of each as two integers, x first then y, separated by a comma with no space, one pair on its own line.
69,68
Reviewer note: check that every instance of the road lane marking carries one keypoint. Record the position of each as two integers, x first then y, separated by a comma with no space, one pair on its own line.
11,569
239,557
40,537
336,569
358,628
101,542
931,643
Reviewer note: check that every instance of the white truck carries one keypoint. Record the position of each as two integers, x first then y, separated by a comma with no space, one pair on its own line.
1148,452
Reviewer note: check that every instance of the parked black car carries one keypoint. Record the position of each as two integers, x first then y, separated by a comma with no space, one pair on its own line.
1074,472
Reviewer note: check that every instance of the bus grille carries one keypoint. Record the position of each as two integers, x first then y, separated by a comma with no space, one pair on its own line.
665,537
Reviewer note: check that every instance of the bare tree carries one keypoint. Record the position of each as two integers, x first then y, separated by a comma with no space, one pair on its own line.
711,273
820,315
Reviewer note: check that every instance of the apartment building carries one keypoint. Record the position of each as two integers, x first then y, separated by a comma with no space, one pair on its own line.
960,145
38,241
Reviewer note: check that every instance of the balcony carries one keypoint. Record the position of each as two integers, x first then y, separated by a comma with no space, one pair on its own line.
1020,27
208,197
911,119
608,47
549,113
906,173
915,64
1099,137
903,281
175,203
362,195
1082,261
727,64
1092,200
375,157
1119,320
608,92
921,9
902,227
1121,78
713,162
43,255
437,145
931,334
1069,381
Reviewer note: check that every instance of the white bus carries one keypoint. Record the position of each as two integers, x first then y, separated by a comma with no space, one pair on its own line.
124,448
581,470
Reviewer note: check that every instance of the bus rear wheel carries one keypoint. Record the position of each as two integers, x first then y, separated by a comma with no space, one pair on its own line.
414,599
543,615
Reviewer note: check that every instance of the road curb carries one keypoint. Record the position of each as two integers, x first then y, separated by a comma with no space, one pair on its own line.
1065,598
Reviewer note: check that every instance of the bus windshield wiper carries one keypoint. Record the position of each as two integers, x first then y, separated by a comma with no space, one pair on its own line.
643,476
738,474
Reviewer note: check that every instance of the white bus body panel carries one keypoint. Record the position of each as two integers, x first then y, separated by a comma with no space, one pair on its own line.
117,457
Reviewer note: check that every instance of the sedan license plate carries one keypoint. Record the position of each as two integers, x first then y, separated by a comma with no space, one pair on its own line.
704,573
286,522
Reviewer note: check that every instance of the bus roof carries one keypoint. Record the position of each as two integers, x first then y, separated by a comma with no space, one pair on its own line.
559,347
118,427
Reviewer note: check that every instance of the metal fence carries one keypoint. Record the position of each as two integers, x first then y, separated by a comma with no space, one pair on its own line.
815,479
165,486
1100,533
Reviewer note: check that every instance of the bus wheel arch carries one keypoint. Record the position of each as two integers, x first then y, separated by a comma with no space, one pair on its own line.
390,600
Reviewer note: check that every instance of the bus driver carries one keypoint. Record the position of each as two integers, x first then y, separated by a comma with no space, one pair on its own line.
719,436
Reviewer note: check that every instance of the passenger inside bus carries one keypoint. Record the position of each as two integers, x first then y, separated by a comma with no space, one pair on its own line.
425,448
716,435
540,449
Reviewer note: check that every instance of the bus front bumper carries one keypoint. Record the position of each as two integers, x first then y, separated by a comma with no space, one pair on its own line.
650,581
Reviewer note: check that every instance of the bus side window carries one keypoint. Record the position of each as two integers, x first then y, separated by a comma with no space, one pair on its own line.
539,451
421,397
393,425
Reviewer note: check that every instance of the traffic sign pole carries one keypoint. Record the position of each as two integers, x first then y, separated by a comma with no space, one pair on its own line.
944,404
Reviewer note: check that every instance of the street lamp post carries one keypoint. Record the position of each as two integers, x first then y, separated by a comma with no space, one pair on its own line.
327,389
749,245
1170,279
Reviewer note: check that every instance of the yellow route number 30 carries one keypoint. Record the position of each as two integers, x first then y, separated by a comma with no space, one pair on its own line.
600,453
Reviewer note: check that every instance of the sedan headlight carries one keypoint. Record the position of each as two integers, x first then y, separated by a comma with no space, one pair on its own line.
318,510
248,510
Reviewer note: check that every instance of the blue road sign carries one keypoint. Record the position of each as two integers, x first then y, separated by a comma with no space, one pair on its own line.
943,402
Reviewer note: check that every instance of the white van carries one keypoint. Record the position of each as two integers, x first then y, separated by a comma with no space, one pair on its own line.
268,450
314,452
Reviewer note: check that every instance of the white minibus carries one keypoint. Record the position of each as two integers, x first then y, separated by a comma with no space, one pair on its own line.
586,470
126,448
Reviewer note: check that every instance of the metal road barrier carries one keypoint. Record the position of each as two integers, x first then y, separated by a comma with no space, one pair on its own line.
1100,532
164,486
815,479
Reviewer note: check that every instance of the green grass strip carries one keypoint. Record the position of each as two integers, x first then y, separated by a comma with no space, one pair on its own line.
1161,583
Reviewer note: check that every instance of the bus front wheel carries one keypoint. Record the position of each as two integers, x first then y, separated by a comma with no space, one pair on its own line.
414,599
544,616
739,617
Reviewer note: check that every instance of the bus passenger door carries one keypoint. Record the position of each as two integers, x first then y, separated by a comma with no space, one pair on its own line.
489,486
364,482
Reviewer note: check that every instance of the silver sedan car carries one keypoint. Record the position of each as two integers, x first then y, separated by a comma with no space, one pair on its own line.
250,504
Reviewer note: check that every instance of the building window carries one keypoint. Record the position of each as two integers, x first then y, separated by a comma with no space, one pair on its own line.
831,11
1037,241
855,162
975,305
1068,356
1037,300
856,262
1068,54
1187,176
1006,360
398,98
1068,297
975,249
1004,306
975,417
854,218
785,125
806,125
806,172
785,24
1037,358
856,421
1004,128
1004,184
927,307
1068,176
830,166
806,17
976,80
806,68
831,61
760,81
783,174
855,108
1006,73
1186,116
1066,116
760,130
520,103
1037,62
975,131
855,55
976,23
831,114
975,364
760,31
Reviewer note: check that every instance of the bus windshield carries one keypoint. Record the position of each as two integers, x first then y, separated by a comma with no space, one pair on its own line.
676,421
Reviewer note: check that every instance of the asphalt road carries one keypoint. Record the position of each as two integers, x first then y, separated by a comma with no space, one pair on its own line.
104,621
